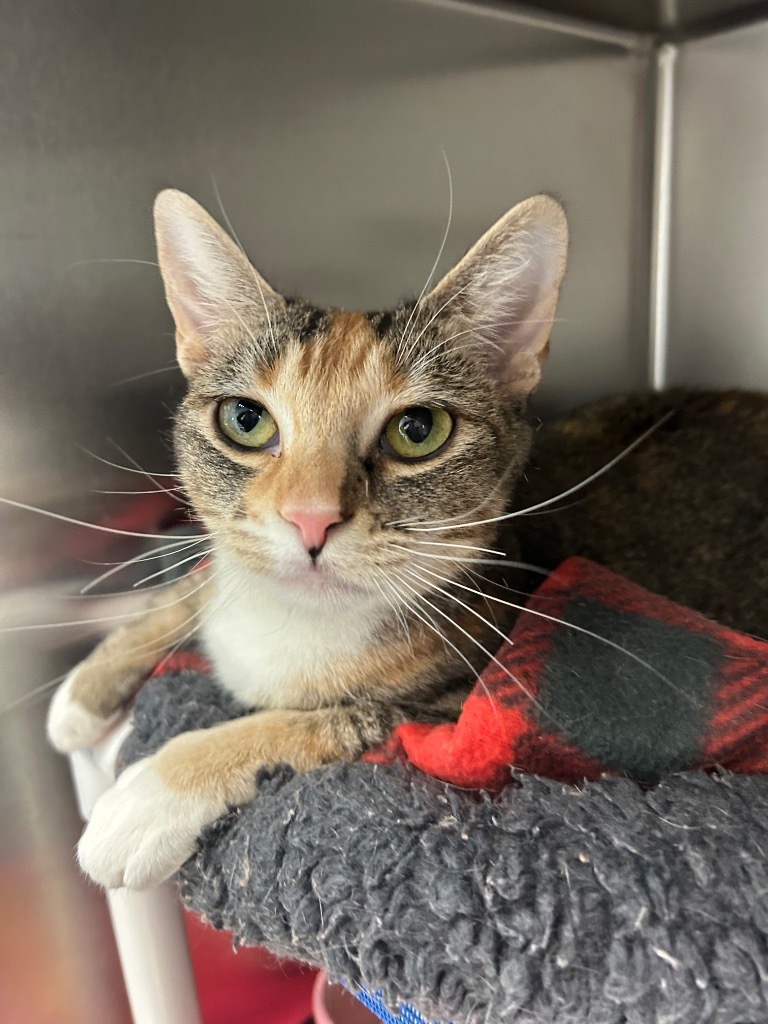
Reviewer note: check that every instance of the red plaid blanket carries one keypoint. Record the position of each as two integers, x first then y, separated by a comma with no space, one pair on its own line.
627,682
598,675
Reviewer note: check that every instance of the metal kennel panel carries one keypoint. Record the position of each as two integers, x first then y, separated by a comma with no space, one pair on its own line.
324,125
718,316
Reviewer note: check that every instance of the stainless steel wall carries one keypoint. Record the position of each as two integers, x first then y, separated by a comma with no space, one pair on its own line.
719,254
323,124
658,15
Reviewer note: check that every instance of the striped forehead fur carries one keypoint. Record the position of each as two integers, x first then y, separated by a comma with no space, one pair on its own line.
331,380
332,392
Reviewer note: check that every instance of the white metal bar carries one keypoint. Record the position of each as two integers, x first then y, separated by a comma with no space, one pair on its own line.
580,28
148,926
152,943
661,225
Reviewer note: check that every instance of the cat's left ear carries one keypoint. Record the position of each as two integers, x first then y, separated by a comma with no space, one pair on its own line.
209,283
504,292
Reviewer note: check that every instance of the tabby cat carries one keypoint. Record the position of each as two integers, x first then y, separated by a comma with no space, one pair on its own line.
316,446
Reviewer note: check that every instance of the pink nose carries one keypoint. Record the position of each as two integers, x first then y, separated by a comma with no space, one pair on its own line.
313,524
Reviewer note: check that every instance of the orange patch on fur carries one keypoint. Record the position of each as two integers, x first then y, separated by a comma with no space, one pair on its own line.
221,763
323,390
114,671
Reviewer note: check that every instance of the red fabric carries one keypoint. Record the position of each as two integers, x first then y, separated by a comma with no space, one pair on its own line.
180,661
274,991
498,730
498,727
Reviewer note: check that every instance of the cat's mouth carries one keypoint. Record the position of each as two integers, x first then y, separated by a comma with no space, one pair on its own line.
318,578
297,573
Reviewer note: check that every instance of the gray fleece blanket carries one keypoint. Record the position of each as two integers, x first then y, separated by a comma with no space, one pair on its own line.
606,902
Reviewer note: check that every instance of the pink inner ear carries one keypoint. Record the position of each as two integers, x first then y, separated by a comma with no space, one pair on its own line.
208,280
189,313
191,349
510,281
517,325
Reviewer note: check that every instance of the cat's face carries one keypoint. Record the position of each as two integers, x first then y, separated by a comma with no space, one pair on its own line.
313,442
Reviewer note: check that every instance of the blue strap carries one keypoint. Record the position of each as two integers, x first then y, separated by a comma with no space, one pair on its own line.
406,1014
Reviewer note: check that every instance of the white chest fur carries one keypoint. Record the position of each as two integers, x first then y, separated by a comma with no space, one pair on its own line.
272,650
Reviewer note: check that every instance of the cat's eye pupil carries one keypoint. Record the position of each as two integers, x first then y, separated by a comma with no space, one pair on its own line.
247,423
416,424
417,432
248,415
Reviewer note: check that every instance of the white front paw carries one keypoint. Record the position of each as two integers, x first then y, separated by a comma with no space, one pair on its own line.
141,831
70,726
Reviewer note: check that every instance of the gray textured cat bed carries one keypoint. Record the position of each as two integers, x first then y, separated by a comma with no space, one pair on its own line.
602,903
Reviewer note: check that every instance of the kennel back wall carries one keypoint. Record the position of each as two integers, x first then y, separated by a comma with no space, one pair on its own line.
320,128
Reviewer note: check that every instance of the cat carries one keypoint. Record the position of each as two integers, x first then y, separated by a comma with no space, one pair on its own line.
312,443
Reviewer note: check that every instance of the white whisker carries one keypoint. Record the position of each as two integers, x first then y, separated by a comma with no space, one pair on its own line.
456,600
156,643
198,620
411,524
404,336
68,623
222,599
126,469
243,324
434,317
141,469
526,566
252,269
200,556
431,624
143,263
477,643
119,593
480,579
82,522
182,544
474,561
397,611
146,373
152,490
471,577
571,625
558,497
434,352
559,508
29,697
604,469
466,547
101,618
520,685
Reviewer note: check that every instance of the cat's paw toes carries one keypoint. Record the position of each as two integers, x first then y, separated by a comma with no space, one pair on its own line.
141,831
70,726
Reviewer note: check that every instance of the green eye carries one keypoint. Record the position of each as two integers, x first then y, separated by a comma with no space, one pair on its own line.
246,423
417,432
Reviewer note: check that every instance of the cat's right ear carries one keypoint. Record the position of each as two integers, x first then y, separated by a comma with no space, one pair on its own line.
501,297
209,282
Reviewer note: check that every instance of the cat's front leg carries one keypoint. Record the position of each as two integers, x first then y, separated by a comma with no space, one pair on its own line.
147,825
97,690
